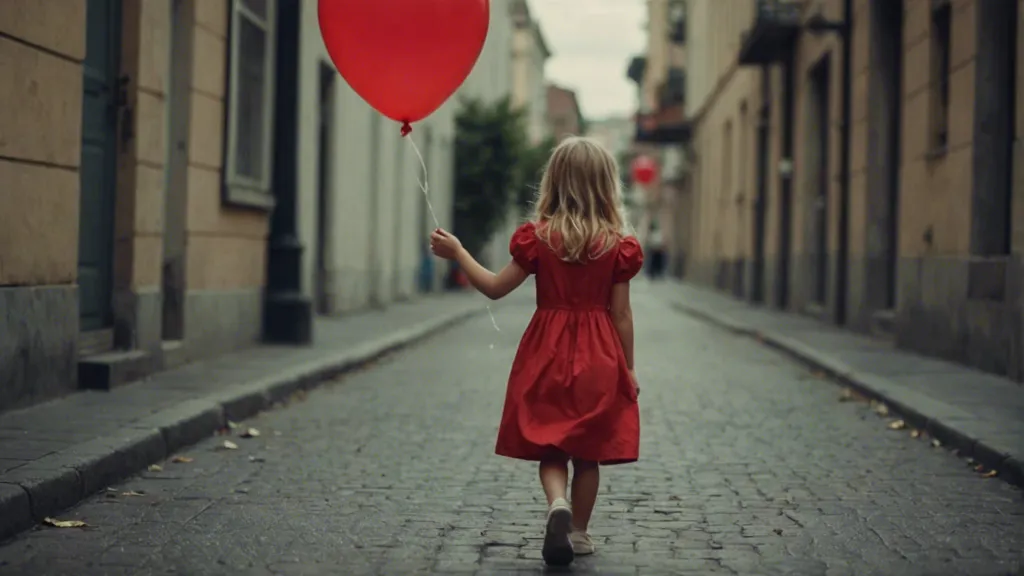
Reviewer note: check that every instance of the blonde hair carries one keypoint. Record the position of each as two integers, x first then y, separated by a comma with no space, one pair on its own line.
580,200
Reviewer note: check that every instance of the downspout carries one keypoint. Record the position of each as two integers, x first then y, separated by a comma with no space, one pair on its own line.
844,163
760,200
786,182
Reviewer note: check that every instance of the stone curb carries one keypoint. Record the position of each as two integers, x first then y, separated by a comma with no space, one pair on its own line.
44,487
940,420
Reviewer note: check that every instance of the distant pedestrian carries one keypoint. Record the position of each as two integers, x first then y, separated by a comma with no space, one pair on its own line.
572,392
656,250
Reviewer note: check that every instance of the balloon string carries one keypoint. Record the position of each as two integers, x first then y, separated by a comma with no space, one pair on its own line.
425,188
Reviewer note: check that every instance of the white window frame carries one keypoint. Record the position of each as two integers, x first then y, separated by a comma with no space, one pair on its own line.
240,189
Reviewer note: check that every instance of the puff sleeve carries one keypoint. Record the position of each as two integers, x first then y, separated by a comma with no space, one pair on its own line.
523,247
629,260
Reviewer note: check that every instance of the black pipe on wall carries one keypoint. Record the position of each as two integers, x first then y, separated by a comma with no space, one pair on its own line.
842,262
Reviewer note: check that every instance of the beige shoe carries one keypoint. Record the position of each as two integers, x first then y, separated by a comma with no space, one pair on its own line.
557,549
582,544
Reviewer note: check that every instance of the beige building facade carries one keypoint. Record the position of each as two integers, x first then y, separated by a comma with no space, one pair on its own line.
662,208
530,53
856,162
139,171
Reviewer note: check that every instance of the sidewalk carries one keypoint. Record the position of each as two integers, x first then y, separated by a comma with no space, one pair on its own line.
980,414
55,454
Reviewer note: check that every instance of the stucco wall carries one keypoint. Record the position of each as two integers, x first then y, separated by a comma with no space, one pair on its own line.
40,143
374,203
226,247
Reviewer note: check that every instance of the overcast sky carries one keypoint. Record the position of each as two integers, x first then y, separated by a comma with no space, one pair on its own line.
592,42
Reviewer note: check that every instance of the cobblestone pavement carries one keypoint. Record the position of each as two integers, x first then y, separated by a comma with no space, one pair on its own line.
749,465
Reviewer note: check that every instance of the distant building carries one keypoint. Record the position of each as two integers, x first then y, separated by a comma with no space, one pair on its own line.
869,179
564,116
530,54
662,131
614,133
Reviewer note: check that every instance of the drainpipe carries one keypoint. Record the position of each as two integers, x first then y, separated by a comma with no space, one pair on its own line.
287,313
786,182
757,282
844,163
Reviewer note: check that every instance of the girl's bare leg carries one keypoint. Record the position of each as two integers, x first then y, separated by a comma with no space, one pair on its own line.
557,550
554,477
586,479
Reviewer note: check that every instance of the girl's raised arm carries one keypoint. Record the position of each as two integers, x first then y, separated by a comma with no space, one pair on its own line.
494,286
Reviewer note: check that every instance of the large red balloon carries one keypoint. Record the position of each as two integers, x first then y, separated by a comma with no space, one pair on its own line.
644,169
404,57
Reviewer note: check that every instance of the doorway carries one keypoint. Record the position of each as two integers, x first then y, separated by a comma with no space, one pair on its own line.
994,121
100,107
175,196
425,222
398,269
818,154
324,184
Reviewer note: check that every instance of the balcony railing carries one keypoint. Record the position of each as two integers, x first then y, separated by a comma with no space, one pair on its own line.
773,32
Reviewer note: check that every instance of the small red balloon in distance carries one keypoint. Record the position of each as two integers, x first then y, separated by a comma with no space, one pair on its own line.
404,57
644,169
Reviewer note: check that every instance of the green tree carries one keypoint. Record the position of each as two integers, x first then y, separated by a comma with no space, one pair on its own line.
490,140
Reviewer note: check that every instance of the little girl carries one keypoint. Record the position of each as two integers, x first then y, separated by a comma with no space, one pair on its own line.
572,393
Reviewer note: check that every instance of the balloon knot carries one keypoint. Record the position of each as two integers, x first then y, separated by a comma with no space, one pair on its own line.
406,128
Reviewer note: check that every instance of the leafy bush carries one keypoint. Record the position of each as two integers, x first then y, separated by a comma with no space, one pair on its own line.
490,141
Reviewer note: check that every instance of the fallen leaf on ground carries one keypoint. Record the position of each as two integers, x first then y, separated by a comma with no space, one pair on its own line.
64,523
846,395
232,425
882,410
979,468
132,493
990,474
915,433
228,445
156,468
897,425
251,433
936,443
181,459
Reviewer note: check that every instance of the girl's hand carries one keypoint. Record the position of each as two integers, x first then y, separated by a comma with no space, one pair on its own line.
636,382
444,245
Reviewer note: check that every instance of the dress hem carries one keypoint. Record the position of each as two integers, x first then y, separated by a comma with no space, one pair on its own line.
565,456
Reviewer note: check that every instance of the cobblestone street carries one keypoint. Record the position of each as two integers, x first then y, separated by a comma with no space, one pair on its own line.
749,465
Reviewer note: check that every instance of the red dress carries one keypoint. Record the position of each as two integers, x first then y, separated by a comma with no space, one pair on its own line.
569,393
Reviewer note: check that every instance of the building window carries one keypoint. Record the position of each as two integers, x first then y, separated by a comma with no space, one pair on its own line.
677,22
942,20
250,105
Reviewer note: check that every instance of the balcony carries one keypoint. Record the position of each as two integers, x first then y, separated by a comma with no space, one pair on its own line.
673,90
773,33
637,67
665,126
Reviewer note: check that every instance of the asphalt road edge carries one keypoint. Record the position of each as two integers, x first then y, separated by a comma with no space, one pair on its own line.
938,419
56,482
